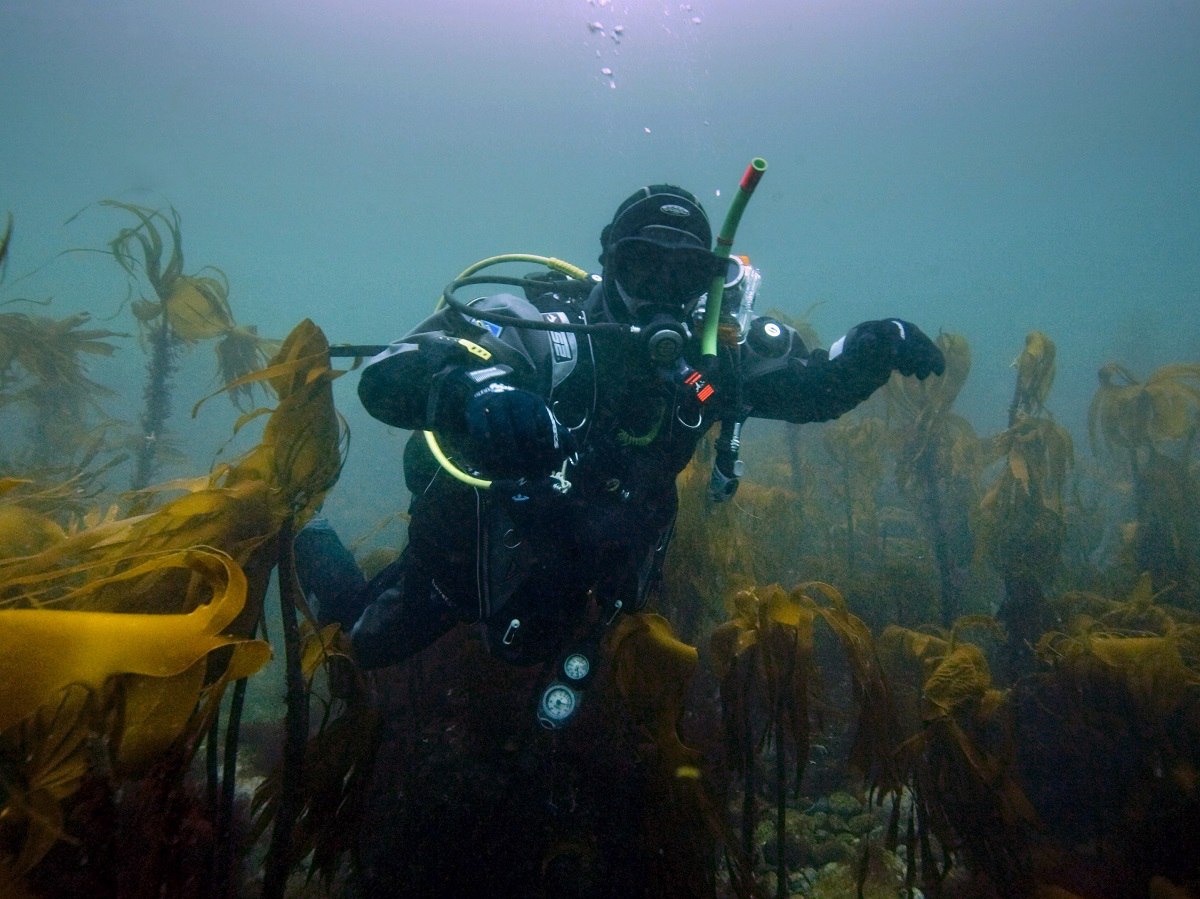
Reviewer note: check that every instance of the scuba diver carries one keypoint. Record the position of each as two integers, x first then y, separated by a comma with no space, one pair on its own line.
571,410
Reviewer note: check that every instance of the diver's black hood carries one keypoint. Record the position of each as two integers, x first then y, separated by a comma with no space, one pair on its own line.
671,214
664,214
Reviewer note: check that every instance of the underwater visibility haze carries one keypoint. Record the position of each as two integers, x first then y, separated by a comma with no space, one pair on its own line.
948,644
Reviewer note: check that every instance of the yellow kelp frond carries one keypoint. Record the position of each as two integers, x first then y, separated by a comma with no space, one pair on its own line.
1039,453
235,520
64,492
301,450
933,678
1140,613
158,712
46,350
771,667
1129,414
1022,524
42,651
955,746
962,676
1150,670
319,647
241,352
197,306
8,484
1035,375
24,532
146,237
950,673
236,510
908,657
191,307
83,688
653,670
871,752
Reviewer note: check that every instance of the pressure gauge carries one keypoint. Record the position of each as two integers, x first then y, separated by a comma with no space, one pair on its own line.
576,666
557,705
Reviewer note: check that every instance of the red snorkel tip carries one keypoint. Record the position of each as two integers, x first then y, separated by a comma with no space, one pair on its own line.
754,173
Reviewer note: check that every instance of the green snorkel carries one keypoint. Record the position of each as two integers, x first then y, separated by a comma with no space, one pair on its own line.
712,311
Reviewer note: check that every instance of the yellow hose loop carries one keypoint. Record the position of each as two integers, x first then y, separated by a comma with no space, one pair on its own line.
551,262
451,469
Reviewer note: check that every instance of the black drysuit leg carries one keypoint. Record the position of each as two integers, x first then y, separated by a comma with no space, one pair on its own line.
328,574
405,612
397,614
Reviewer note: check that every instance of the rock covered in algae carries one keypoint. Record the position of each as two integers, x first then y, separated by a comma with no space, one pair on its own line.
839,880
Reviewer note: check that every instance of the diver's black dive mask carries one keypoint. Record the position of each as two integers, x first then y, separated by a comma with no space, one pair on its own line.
660,276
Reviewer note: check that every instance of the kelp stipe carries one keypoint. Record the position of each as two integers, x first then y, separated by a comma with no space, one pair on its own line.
5,239
156,402
856,444
1023,511
937,462
187,308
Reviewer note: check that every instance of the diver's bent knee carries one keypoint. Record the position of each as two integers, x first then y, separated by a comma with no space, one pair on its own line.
374,650
399,624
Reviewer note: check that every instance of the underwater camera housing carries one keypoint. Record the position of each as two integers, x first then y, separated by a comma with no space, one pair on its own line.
742,281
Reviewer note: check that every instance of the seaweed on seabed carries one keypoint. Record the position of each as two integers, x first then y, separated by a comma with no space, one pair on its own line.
954,748
764,657
1110,745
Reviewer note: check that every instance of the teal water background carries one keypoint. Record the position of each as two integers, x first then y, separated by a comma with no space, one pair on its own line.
982,168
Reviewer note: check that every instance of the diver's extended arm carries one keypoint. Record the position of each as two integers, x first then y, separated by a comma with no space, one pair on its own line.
784,380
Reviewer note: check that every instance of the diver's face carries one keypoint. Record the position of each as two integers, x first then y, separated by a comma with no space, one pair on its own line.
656,278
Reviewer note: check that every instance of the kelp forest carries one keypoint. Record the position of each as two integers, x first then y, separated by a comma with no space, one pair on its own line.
908,659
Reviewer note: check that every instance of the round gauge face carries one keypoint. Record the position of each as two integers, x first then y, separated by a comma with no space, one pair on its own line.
558,702
576,666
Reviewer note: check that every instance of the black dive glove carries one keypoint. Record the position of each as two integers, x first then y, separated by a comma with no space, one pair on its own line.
893,344
511,433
